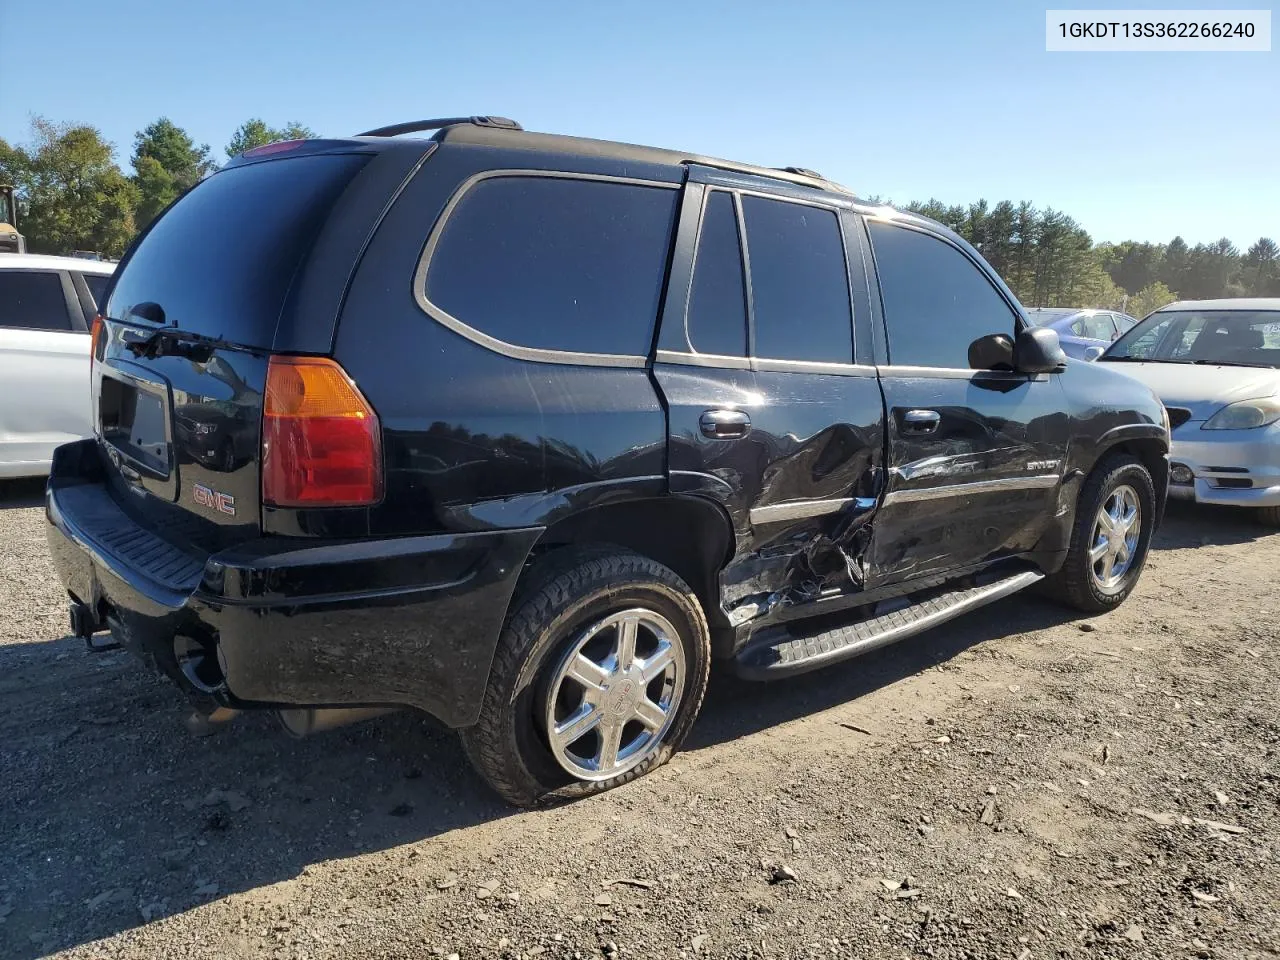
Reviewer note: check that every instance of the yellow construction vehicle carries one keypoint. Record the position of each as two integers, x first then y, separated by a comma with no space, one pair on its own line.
11,241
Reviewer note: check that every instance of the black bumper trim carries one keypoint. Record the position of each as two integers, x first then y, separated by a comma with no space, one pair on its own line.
412,620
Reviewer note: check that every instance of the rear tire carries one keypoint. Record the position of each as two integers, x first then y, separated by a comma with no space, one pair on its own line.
1106,558
560,667
1270,516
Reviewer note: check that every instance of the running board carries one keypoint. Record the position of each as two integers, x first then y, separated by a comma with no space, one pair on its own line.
775,655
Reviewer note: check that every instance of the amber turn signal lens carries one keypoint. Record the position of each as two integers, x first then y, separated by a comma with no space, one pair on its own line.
321,440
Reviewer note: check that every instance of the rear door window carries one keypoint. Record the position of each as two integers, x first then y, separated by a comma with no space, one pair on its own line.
555,263
221,260
799,283
936,300
1095,327
33,300
97,284
717,320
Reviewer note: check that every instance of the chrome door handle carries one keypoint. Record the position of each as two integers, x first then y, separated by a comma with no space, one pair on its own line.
724,424
920,421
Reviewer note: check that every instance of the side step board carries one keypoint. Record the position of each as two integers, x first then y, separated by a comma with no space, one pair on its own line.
775,655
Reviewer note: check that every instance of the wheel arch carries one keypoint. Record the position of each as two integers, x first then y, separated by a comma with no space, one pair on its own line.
1149,445
689,534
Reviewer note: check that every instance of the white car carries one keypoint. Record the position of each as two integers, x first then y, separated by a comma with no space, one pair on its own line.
47,305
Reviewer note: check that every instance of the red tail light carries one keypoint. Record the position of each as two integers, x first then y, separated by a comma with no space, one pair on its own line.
320,438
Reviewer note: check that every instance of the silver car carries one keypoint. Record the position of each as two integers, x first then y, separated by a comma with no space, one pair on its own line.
1216,366
1083,333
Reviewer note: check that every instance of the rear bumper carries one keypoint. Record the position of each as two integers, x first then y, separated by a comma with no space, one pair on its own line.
1230,467
291,621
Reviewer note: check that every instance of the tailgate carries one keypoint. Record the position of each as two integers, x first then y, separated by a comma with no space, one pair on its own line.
181,361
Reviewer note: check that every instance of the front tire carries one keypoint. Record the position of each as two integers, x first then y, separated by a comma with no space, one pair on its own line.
599,674
1111,536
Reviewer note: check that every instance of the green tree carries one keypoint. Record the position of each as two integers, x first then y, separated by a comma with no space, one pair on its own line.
1149,298
255,133
1261,269
166,161
73,194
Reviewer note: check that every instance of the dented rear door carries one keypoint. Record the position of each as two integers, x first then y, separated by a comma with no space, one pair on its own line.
768,411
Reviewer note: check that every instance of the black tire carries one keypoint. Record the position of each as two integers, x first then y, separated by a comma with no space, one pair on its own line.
573,588
1270,516
1075,584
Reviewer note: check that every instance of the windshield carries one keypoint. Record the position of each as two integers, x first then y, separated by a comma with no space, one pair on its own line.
1239,337
6,215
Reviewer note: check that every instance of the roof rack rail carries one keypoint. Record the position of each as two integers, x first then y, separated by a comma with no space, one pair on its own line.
803,172
791,174
416,126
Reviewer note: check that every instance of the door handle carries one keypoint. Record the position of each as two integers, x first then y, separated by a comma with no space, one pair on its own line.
724,424
920,421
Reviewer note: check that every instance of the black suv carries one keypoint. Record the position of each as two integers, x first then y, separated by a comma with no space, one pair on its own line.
527,431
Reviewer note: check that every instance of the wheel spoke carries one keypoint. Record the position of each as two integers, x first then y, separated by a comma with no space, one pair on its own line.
650,714
1130,518
574,727
587,672
1099,551
610,741
656,665
1108,566
1106,521
627,642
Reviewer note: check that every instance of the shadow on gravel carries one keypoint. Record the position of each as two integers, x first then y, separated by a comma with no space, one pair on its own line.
1202,525
111,814
737,708
27,492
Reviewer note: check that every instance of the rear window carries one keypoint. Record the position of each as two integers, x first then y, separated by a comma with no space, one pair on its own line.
221,260
556,263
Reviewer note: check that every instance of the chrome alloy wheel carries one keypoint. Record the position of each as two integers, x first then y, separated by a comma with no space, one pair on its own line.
614,694
1115,538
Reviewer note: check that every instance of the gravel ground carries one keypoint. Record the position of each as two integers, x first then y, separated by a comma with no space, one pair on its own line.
1018,784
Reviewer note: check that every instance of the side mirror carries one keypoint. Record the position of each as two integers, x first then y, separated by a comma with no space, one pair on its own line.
1038,350
1093,353
992,352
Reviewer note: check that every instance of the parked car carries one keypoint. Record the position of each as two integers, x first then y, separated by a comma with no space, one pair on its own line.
542,426
46,306
1216,365
1080,330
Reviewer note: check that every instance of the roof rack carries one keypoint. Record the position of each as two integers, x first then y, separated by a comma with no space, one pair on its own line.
803,172
798,175
416,126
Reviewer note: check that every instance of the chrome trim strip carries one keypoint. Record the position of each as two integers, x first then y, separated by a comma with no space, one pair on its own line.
702,360
812,366
800,509
1039,482
515,351
764,366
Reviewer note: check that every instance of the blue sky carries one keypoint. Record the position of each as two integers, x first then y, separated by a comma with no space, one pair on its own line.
898,99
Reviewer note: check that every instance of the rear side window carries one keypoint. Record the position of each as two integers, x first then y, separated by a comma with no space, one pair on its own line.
33,300
718,303
97,284
221,260
556,263
799,284
936,301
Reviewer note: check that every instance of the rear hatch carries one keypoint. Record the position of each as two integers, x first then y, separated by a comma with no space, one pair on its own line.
180,360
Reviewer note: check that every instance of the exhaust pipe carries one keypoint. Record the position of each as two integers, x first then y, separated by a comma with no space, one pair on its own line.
303,721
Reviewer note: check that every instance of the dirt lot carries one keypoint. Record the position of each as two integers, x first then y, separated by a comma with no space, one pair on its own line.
977,792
